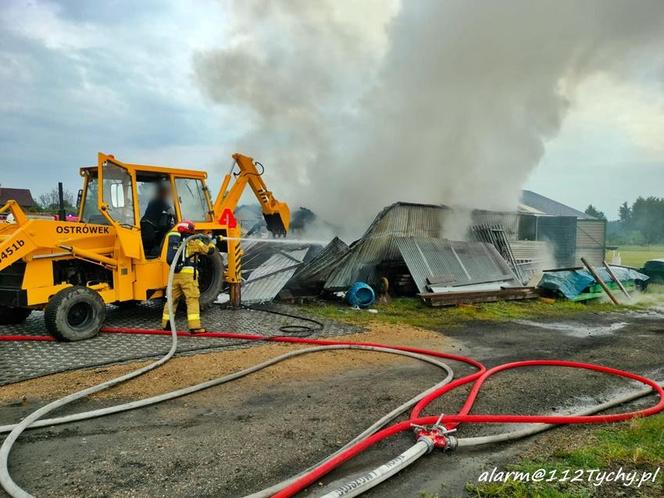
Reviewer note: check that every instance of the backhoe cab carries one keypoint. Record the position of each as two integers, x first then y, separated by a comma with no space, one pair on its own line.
114,254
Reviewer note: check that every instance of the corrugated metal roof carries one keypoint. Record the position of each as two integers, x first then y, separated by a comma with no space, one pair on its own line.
320,266
452,263
258,251
268,279
549,206
398,220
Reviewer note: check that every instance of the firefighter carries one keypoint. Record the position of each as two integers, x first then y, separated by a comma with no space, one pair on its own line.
185,281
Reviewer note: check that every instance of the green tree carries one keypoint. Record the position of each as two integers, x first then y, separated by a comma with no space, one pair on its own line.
641,223
594,212
625,214
50,201
648,218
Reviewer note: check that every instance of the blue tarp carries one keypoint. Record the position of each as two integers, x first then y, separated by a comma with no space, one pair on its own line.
571,283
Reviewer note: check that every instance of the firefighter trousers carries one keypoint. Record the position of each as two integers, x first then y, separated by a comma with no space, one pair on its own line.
184,285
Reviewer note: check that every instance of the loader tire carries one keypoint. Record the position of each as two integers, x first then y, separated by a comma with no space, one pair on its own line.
74,314
13,316
210,278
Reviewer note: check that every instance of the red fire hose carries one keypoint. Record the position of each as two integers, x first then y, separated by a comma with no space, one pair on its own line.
451,421
25,338
416,418
454,420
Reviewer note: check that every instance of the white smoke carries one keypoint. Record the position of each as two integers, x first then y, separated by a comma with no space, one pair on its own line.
360,104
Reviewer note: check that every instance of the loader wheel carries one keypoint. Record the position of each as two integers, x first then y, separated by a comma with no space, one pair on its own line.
13,316
210,277
74,314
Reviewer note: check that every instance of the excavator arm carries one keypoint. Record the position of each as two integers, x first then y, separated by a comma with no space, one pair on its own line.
277,214
15,242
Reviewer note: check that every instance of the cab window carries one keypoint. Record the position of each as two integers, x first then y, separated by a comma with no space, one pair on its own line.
91,213
118,194
193,200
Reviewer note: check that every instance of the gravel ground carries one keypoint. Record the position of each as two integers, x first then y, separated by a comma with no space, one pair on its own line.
239,438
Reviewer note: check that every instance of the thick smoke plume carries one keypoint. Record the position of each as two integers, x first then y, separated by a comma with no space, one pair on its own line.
360,104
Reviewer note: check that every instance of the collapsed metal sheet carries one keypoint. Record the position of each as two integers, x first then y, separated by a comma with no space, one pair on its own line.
440,264
401,219
265,282
318,268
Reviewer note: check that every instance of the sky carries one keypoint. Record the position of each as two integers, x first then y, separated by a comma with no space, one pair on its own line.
78,77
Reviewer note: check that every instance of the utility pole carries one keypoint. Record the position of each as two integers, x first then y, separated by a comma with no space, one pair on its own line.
61,203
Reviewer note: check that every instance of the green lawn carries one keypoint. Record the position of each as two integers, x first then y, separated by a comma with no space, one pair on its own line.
637,445
412,311
637,255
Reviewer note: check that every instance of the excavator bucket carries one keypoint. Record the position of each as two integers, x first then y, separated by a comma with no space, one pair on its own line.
275,224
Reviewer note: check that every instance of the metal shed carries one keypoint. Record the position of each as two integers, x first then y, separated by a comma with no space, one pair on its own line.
378,243
589,232
410,235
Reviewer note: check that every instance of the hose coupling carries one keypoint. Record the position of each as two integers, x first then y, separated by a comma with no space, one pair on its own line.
437,436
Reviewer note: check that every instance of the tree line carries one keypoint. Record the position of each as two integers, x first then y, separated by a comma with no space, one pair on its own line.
50,201
639,223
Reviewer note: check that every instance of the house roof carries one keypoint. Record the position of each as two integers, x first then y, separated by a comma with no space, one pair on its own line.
21,195
534,201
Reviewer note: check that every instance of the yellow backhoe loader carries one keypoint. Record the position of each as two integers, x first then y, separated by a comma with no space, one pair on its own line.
114,253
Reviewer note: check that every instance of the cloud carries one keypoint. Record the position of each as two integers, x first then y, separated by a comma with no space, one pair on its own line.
351,105
609,149
117,78
42,23
455,105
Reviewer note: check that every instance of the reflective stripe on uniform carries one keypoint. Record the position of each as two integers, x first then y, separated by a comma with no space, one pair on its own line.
187,269
194,316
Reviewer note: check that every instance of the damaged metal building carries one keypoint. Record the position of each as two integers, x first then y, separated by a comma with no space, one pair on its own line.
406,245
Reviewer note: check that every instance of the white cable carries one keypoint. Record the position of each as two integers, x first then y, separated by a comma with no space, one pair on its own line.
132,405
32,420
379,424
373,478
5,478
536,429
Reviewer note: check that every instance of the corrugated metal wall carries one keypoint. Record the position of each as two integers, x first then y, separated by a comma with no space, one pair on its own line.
537,250
455,262
561,232
591,241
378,243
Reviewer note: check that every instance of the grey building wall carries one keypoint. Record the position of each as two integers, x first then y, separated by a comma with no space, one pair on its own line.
591,241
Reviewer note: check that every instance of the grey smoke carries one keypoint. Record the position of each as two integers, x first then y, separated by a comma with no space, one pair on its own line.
435,101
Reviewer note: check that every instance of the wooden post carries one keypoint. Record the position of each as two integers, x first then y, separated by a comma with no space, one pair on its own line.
616,280
599,280
234,292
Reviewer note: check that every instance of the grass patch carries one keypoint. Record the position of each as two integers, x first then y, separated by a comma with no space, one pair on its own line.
637,255
412,311
637,445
